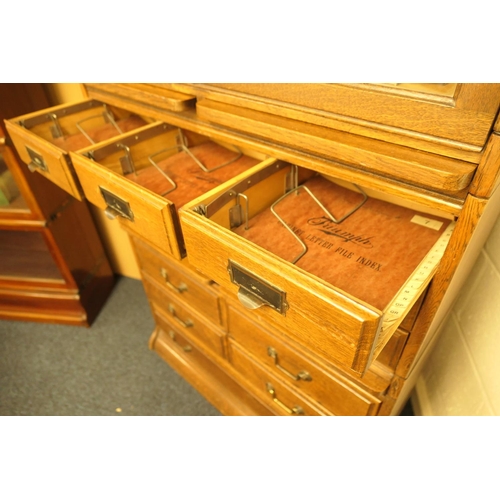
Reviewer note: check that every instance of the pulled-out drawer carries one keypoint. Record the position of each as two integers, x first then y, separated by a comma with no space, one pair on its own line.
44,139
336,393
143,178
179,279
330,266
184,319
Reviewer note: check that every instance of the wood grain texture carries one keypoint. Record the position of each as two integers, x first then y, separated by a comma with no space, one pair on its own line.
336,393
375,380
152,214
257,379
185,318
487,177
467,121
206,376
179,279
190,121
416,167
58,168
336,325
452,259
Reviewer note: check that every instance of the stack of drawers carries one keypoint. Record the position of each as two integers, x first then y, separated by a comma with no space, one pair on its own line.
197,321
254,333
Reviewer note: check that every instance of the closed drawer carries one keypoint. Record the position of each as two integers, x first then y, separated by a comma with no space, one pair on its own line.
336,393
184,319
171,336
453,120
176,277
44,139
341,286
272,391
142,178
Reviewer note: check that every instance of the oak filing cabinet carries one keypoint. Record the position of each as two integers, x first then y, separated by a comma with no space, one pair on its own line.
299,244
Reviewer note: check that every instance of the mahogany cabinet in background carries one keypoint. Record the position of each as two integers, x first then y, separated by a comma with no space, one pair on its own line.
53,267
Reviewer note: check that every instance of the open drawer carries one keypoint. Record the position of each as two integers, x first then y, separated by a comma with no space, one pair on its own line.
143,176
44,139
335,268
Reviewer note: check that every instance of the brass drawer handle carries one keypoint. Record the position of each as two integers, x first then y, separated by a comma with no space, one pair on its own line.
296,410
181,288
111,213
186,348
302,375
186,324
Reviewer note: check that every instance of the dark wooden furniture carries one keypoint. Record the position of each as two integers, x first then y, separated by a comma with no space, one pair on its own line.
53,267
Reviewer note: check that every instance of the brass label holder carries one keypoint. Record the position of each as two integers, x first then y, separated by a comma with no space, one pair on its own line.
254,292
116,206
37,161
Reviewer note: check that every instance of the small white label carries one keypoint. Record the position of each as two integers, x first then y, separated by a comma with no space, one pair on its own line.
423,221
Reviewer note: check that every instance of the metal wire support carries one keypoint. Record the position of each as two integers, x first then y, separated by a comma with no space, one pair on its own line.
294,174
108,118
183,144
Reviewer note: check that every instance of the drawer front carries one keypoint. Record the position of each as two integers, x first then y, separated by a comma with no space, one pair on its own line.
277,395
144,176
462,113
141,212
185,320
45,158
44,139
329,322
173,337
335,393
175,277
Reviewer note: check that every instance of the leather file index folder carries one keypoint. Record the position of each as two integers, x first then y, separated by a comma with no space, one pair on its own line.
372,254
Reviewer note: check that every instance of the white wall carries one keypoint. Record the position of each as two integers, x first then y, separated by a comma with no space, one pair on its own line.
462,374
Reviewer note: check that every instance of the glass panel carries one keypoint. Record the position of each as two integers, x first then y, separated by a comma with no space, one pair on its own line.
10,197
25,255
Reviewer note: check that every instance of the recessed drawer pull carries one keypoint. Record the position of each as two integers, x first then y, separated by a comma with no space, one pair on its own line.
186,324
296,410
181,288
37,161
254,292
115,206
186,348
302,375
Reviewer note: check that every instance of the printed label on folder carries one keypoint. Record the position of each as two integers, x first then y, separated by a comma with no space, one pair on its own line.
423,221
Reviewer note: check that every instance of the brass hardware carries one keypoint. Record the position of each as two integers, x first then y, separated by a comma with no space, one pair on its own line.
116,206
186,348
37,162
181,288
254,292
236,212
302,375
56,129
126,161
296,410
200,210
186,324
